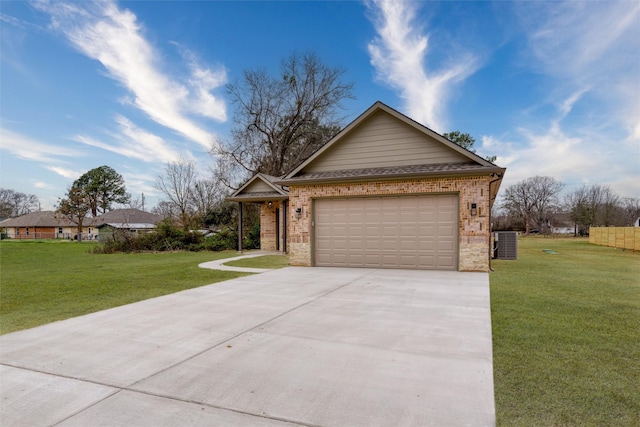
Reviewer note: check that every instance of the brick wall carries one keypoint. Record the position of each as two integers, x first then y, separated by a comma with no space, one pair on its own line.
268,226
473,230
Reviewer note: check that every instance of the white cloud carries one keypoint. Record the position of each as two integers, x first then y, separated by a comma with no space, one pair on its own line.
138,184
567,105
571,159
43,185
65,172
589,46
399,55
589,55
133,142
31,149
202,81
572,37
114,37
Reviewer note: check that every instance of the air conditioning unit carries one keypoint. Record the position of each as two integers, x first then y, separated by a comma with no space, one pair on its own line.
505,245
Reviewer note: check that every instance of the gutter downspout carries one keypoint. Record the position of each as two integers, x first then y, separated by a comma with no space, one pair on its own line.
240,227
500,176
285,205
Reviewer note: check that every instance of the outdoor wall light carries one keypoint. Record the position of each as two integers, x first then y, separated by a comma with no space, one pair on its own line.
270,204
474,209
298,212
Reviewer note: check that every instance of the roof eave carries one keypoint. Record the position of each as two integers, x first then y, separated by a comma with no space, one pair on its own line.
264,178
392,177
256,199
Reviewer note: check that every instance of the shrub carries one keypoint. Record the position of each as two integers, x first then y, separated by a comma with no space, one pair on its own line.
227,238
252,239
166,237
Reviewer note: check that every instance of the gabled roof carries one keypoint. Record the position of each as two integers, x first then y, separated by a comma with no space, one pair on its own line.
455,159
259,188
128,216
55,219
39,219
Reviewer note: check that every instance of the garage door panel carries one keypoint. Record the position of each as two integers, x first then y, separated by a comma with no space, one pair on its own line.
426,246
388,232
444,262
443,245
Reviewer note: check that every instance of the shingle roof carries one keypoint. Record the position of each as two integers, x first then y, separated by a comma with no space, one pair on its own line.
128,216
391,172
54,219
39,219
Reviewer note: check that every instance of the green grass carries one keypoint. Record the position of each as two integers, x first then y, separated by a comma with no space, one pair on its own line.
41,282
266,261
566,335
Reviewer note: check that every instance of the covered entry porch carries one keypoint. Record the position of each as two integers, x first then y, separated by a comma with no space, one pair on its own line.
273,202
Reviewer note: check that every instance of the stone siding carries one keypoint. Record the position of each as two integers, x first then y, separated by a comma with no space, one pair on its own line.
473,230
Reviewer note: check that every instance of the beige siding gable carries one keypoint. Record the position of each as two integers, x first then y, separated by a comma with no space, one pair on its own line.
258,186
382,140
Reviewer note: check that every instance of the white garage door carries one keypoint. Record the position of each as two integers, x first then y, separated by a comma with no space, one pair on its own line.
387,232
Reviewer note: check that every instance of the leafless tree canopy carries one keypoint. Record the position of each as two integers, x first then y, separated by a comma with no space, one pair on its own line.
189,199
14,203
177,182
598,205
533,200
280,121
165,209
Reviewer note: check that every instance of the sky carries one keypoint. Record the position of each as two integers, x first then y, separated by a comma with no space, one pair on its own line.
550,88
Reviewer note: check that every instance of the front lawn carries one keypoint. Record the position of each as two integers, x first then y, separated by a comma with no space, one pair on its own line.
41,282
566,335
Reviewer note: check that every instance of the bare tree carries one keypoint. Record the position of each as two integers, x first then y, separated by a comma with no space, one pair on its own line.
205,195
281,120
597,205
577,205
609,209
14,203
177,184
631,210
137,202
166,210
534,200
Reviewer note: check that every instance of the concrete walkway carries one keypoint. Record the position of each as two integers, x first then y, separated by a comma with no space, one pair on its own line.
294,346
220,263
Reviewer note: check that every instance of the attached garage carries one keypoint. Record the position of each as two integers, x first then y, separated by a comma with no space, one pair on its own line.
416,232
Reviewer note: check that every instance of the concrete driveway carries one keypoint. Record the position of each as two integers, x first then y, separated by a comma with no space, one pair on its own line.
295,346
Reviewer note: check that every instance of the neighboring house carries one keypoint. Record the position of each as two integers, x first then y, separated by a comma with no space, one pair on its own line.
45,225
126,220
562,230
52,225
386,192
